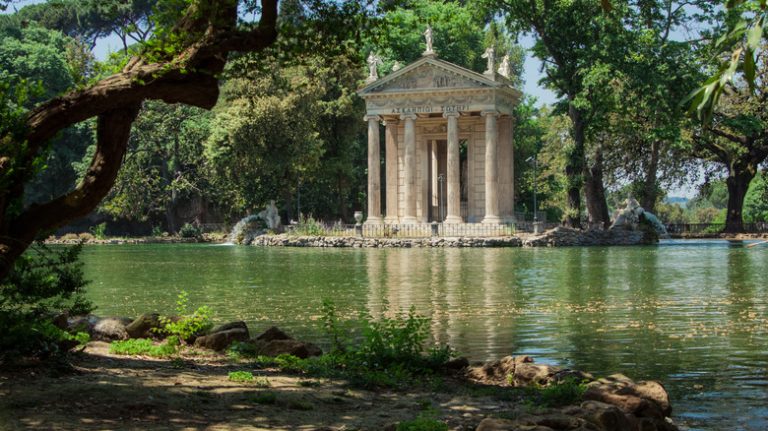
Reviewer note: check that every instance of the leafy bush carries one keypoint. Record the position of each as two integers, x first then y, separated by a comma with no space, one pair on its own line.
187,325
99,231
567,392
190,231
308,226
145,347
240,376
44,283
424,422
157,231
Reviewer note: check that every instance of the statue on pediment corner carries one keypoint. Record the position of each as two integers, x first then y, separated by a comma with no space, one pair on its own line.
490,54
374,61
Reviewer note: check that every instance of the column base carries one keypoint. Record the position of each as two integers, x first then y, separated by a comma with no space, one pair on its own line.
409,220
373,220
391,220
491,219
452,219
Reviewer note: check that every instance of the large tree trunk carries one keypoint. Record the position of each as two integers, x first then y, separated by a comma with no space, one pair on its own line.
209,31
574,168
738,184
650,189
594,191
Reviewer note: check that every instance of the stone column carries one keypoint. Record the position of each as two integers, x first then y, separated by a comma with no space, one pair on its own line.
410,168
391,167
374,171
453,168
491,169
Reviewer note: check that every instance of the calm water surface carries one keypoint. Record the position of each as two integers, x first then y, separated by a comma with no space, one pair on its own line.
692,314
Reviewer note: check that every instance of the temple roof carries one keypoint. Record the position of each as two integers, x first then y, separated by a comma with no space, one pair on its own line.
432,85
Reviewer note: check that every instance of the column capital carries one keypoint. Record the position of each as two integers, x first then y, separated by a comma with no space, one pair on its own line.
371,117
491,112
408,116
391,121
451,114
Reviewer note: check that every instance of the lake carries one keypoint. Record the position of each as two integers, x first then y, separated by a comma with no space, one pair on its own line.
692,314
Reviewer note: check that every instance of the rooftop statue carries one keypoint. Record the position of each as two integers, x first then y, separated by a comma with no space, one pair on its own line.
397,66
490,54
428,37
374,61
504,69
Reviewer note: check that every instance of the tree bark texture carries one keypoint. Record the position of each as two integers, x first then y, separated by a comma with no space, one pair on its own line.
574,168
594,191
650,189
209,32
738,184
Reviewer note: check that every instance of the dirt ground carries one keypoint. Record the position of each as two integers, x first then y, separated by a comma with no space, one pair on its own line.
194,393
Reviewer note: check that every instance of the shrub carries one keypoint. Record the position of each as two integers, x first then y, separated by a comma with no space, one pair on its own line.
187,325
240,376
190,231
424,422
308,226
145,347
44,282
157,231
567,392
99,231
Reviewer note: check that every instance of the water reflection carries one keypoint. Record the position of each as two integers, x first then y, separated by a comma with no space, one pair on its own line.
694,315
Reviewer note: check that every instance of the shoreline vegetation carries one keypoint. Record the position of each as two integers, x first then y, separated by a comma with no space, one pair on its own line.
180,372
287,240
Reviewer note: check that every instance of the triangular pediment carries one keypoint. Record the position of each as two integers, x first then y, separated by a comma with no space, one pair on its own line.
429,74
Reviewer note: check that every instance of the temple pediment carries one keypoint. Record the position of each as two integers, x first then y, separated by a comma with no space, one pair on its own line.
431,74
433,86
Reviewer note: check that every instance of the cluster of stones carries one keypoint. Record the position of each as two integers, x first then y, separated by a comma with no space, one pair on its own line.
565,237
118,241
272,342
363,242
615,403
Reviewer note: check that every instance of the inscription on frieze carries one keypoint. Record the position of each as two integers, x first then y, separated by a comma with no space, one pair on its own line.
428,109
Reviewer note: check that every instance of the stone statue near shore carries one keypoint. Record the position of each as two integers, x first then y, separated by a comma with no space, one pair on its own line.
271,216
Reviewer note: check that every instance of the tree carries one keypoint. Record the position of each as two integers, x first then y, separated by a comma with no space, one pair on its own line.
737,138
90,20
179,67
162,168
570,37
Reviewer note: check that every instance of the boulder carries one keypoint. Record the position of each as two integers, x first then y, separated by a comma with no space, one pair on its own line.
652,391
528,373
495,372
82,323
110,328
143,326
273,333
231,325
457,364
493,424
221,340
606,416
290,347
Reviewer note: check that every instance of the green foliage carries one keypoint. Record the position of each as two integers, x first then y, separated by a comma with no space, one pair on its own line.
99,231
424,422
145,347
567,392
240,376
187,324
308,226
190,231
43,283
